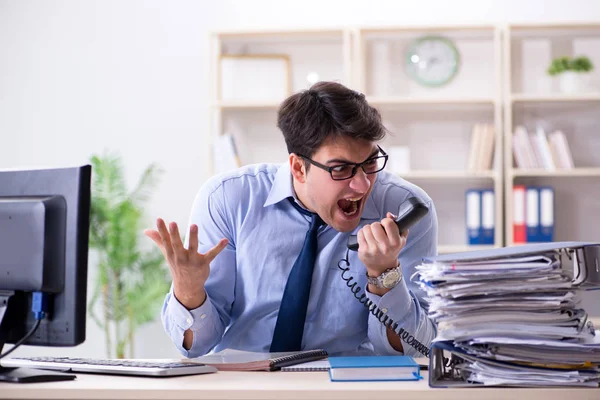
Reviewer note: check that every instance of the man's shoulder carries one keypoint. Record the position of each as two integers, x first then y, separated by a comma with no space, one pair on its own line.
252,176
391,185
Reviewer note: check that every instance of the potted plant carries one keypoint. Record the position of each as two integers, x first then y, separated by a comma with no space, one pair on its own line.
573,73
131,282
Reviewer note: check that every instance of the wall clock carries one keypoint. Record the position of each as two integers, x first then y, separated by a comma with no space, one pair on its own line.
432,60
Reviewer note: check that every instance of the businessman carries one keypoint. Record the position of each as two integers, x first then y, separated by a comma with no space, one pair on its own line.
259,268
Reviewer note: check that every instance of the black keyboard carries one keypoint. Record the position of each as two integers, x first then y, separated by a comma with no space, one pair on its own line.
110,366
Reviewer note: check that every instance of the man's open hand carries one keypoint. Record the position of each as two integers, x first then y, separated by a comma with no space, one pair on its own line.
189,268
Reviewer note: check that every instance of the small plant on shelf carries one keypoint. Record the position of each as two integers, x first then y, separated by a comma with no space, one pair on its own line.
571,72
577,64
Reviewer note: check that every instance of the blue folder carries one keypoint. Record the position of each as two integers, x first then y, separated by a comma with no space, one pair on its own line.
373,368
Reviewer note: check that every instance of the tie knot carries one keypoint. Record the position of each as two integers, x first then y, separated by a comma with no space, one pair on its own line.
315,222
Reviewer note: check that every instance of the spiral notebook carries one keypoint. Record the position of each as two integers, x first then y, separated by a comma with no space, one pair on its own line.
235,360
317,365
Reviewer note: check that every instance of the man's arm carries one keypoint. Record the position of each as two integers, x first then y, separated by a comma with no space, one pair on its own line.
196,318
405,303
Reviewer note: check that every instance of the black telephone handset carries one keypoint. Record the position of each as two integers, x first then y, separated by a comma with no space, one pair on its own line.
410,212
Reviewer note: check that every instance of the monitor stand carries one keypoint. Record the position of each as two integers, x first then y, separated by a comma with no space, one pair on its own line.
31,375
23,375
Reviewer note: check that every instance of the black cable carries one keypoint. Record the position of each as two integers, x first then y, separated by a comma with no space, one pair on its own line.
23,339
377,312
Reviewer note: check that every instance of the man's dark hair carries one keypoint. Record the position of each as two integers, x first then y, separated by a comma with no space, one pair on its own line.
327,109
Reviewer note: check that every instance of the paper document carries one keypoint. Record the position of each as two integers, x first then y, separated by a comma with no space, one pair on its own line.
513,319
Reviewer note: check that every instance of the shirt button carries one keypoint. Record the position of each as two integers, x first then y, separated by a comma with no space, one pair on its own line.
189,321
385,310
203,316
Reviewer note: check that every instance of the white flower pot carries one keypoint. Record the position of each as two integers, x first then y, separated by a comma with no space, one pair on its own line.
573,82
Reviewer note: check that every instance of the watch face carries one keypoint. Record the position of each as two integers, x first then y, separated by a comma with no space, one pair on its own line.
391,279
432,60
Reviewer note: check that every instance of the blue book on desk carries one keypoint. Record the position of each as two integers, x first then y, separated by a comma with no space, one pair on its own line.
374,368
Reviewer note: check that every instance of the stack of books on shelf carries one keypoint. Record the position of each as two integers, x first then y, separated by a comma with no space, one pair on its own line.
480,216
533,214
512,320
481,150
539,150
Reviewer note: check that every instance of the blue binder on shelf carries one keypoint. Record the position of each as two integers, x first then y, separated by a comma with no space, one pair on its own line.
473,216
480,212
532,214
546,208
539,214
488,216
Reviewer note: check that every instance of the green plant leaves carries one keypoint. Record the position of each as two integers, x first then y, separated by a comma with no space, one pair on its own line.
131,281
577,64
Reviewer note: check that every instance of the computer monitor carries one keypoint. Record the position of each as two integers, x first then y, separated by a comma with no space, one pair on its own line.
44,232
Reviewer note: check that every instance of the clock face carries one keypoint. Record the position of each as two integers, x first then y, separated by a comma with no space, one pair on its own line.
432,60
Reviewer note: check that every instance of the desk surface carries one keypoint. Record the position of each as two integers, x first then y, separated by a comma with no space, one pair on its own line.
268,385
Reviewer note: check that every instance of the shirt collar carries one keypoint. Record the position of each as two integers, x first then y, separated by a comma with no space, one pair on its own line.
283,188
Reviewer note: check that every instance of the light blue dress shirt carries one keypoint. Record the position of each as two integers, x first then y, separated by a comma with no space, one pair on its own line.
249,207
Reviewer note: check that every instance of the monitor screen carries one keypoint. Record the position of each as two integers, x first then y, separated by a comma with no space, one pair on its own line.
44,231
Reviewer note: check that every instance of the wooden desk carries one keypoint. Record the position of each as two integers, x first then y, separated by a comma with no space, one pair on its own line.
268,385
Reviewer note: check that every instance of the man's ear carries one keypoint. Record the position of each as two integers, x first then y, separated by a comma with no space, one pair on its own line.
298,168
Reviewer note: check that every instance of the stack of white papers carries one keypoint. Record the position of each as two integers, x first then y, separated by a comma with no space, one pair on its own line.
516,321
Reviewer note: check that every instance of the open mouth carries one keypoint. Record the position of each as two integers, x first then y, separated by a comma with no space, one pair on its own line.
350,206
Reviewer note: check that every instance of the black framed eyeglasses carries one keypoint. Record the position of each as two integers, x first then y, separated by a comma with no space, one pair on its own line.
341,172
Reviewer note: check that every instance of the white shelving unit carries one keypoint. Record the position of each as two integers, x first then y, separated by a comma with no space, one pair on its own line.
436,123
533,96
502,81
322,54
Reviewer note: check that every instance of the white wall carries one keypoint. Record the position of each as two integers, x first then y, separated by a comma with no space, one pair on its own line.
78,77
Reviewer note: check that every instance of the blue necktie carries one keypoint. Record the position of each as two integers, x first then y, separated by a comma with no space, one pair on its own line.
292,311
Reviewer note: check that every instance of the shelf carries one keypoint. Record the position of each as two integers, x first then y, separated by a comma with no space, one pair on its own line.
408,100
457,248
250,105
408,31
564,172
553,97
444,174
277,34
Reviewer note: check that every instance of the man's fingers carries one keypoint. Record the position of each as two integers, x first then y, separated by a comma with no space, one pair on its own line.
163,231
391,230
193,239
379,233
362,242
166,240
175,237
155,236
367,232
157,239
212,253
